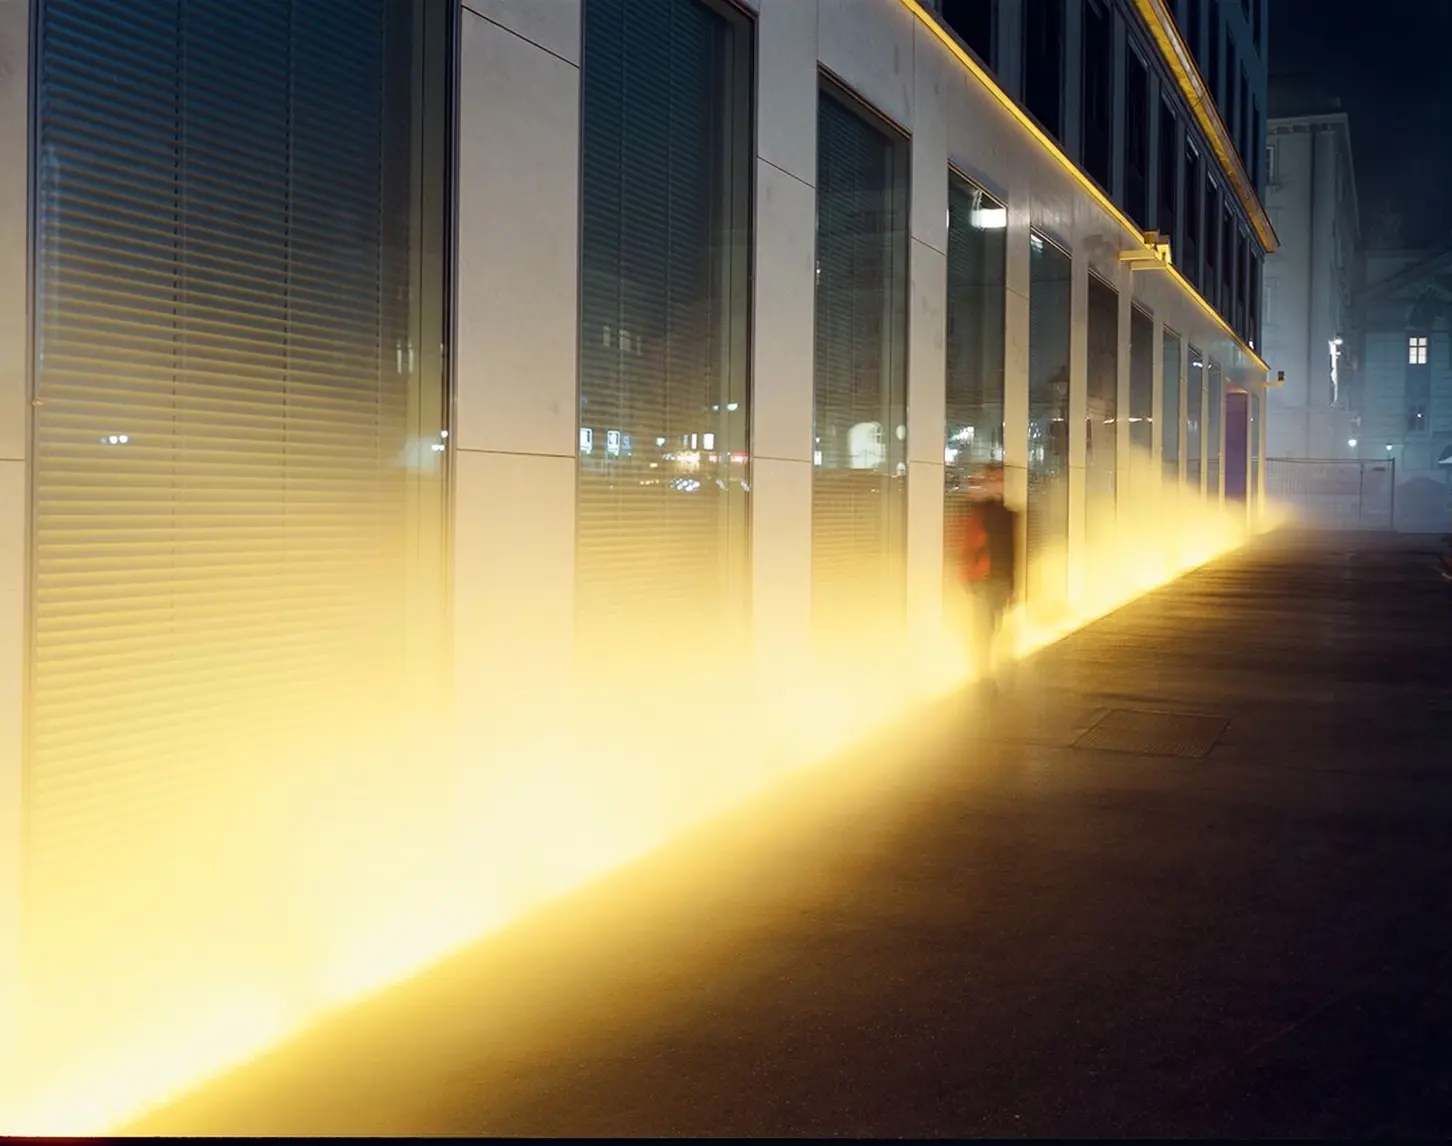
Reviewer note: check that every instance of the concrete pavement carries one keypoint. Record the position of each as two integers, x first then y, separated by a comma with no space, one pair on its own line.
1239,929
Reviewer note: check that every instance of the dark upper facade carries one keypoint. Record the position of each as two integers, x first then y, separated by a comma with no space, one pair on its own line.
1162,104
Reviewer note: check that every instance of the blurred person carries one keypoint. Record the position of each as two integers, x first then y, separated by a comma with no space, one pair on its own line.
983,538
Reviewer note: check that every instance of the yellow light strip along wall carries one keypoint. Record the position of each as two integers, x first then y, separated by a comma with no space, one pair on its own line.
1008,103
1172,48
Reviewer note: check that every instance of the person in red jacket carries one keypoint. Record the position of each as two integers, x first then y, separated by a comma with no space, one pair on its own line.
984,538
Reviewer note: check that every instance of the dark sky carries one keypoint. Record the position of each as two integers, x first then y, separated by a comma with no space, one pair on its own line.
1390,61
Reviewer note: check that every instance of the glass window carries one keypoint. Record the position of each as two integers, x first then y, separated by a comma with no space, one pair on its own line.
1169,178
1227,261
1210,286
1098,103
1418,384
1191,260
977,225
1141,382
663,356
1195,21
1214,421
1101,412
1214,53
236,607
976,22
1136,139
1194,418
1047,519
1043,63
1253,298
1253,496
859,480
1170,414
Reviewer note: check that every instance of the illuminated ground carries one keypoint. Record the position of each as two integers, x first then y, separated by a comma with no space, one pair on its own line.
998,934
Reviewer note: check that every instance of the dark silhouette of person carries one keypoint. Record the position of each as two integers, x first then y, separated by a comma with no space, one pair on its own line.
984,536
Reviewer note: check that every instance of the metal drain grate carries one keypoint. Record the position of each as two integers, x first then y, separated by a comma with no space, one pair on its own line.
1154,733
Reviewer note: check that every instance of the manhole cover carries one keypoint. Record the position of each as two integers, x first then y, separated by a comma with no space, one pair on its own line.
1154,733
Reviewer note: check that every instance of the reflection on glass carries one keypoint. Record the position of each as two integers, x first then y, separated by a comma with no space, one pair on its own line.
663,418
1194,414
1214,406
1170,416
1047,524
859,482
974,401
1141,381
1101,413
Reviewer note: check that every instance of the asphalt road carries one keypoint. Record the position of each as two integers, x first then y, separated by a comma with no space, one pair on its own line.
987,930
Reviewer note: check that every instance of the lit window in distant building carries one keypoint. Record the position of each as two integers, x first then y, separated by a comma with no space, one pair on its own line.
1417,350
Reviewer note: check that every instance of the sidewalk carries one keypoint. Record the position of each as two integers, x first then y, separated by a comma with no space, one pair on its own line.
995,932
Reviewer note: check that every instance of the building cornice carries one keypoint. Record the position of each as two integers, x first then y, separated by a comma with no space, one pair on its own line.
1176,55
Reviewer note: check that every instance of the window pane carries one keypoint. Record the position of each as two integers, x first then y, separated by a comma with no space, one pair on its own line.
1047,522
1192,228
663,418
976,230
1044,62
1214,405
1136,140
1141,381
238,489
974,22
859,482
1169,177
1101,413
1098,105
1170,414
1194,415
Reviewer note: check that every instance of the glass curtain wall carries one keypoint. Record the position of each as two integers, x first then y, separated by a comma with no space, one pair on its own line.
859,485
1194,420
664,412
1047,523
1101,415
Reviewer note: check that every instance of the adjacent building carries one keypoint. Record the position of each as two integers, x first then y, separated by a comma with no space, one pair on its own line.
1310,279
385,383
1405,410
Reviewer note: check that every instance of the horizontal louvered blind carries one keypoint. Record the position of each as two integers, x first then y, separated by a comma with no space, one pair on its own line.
859,479
1046,527
223,385
1194,417
663,415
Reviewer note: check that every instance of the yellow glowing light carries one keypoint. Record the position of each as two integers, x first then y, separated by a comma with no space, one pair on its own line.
1090,188
578,778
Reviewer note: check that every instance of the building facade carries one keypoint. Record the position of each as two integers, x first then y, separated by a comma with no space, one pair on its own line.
1405,409
1310,280
393,384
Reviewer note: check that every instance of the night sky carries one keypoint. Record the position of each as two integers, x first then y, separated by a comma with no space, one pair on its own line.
1389,63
